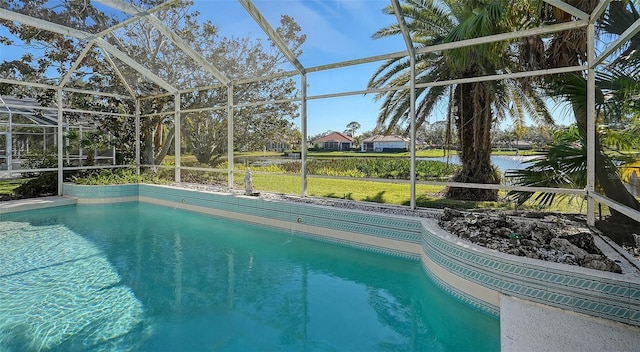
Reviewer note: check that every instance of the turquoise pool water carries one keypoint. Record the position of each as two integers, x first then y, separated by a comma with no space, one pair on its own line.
149,278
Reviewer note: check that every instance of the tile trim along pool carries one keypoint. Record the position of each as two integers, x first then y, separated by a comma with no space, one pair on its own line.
473,274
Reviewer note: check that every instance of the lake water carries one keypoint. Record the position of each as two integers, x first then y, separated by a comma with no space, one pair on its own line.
503,162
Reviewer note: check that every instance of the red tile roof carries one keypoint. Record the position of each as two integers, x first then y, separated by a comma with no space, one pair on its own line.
334,137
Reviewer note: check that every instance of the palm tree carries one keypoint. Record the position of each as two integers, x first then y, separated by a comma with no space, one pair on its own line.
619,82
474,107
353,127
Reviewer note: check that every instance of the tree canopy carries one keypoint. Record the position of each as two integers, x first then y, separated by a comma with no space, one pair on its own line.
237,58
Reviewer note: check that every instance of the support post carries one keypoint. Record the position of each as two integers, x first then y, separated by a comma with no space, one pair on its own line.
303,128
230,136
412,96
591,124
80,155
66,144
60,143
177,135
9,144
137,127
412,135
113,151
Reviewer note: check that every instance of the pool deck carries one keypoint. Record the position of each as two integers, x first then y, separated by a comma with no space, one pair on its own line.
531,327
35,203
524,326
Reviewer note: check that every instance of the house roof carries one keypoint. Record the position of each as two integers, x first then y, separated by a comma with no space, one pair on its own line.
381,138
334,137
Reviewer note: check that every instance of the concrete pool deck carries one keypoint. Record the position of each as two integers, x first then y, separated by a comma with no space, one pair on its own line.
531,327
524,325
35,203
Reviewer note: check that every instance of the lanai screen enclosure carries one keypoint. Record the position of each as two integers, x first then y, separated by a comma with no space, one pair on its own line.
213,88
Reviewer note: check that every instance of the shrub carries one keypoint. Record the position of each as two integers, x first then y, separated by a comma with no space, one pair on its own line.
116,176
395,168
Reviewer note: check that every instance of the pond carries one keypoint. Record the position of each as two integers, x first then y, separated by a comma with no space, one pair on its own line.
502,162
514,162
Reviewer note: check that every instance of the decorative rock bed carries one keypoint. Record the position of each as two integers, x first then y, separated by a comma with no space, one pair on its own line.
561,241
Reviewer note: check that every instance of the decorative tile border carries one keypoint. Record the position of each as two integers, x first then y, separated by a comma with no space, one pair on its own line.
461,295
473,274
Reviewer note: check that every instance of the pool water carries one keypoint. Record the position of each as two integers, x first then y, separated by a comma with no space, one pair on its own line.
149,278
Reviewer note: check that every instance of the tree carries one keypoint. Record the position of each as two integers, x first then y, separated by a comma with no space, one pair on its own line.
353,127
433,133
474,107
237,58
568,48
206,135
319,135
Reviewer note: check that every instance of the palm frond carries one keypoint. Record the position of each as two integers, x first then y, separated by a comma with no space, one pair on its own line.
561,166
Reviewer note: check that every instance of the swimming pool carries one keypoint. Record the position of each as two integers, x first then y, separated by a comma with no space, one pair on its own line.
145,277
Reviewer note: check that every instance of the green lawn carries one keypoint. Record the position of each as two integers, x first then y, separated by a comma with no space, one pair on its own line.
427,196
7,186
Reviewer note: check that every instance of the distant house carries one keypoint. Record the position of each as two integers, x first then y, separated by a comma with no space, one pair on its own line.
518,144
335,141
280,146
380,143
523,145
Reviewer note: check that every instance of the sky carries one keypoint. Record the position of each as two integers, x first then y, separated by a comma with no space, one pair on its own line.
336,30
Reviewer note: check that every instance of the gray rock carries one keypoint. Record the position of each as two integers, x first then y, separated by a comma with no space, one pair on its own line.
530,243
585,241
599,262
503,232
564,246
490,228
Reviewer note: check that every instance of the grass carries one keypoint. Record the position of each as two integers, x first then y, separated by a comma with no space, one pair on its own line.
428,196
7,186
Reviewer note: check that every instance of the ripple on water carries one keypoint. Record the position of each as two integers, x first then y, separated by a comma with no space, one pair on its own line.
58,291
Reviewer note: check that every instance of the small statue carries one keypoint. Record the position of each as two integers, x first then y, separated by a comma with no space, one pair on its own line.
248,183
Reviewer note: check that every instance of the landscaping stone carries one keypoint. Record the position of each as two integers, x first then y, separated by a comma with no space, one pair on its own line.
556,239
